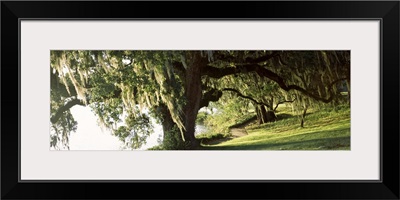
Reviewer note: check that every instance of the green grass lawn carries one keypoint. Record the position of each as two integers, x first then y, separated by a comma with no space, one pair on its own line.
323,130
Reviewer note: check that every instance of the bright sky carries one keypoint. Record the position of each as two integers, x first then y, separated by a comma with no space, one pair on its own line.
89,135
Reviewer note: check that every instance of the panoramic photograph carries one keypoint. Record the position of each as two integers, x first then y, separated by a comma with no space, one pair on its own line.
203,100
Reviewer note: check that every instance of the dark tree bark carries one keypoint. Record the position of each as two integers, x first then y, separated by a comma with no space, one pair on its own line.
271,116
211,95
193,93
303,116
264,115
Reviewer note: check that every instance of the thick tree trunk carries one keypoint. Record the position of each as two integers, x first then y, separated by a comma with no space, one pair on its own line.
172,139
271,116
303,116
263,113
264,116
259,115
193,94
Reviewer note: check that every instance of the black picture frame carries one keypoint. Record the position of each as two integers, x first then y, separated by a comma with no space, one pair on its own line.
386,11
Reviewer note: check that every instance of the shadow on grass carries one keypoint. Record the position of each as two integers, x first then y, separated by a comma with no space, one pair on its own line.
297,142
244,123
283,116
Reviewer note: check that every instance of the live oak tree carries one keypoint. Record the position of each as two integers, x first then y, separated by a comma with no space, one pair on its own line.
124,88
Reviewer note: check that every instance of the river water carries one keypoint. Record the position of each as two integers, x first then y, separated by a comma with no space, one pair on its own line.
200,129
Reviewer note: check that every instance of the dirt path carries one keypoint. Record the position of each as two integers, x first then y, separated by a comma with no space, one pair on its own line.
240,130
236,131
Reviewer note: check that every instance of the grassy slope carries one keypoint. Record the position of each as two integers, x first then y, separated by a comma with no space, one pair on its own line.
323,130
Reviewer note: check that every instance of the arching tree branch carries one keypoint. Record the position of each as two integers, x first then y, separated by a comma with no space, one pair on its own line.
282,102
264,72
282,84
212,95
64,108
246,97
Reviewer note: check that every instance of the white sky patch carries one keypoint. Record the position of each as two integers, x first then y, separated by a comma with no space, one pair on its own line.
89,135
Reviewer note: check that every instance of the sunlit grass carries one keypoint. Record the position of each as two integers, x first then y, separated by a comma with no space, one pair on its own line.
323,130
